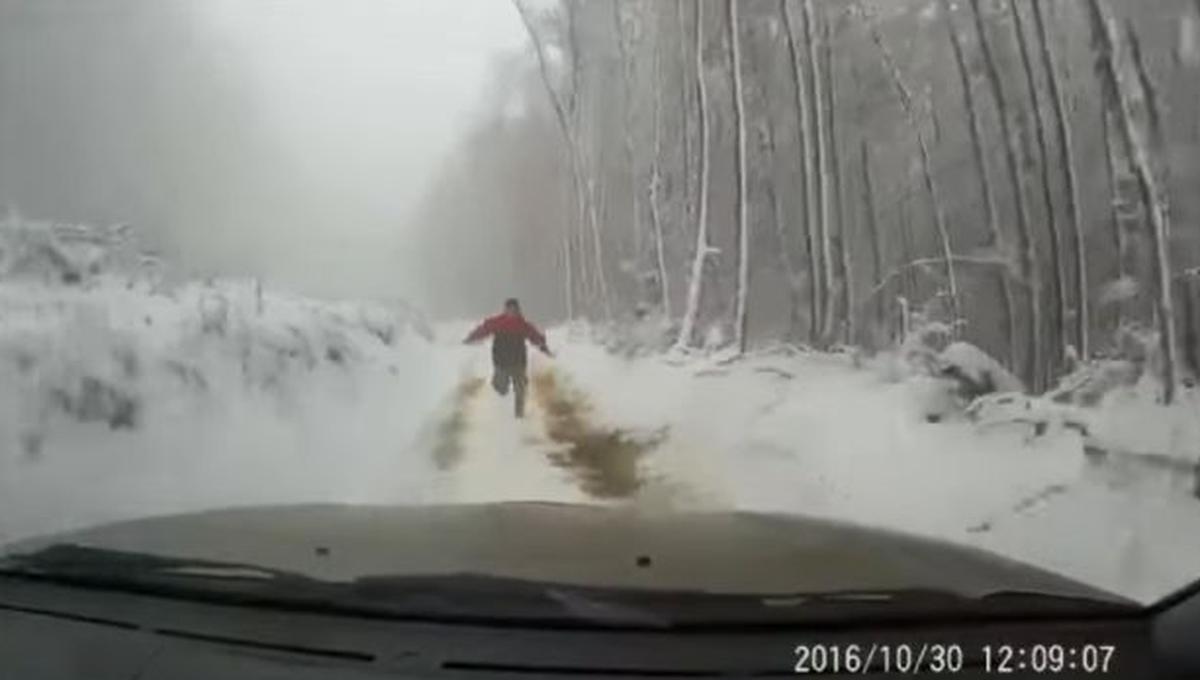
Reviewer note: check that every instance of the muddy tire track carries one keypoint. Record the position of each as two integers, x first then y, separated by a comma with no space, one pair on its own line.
447,449
603,462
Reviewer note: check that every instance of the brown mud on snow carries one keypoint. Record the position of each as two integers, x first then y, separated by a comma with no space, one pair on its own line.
447,450
603,462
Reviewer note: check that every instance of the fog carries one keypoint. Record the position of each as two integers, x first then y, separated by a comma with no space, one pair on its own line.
286,139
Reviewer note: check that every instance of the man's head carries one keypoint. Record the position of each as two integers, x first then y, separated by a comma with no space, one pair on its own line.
512,306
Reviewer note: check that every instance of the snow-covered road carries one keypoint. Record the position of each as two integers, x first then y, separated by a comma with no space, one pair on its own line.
415,422
814,435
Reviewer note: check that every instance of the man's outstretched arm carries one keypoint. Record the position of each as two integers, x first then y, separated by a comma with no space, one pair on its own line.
537,338
481,331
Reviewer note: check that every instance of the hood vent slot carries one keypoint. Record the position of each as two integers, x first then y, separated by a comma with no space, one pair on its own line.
326,653
83,618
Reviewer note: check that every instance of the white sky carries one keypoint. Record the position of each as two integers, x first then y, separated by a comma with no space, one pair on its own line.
383,85
370,94
287,139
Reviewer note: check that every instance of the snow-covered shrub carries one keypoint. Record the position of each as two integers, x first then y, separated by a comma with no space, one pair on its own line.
82,341
72,255
974,371
72,368
1088,384
917,352
1133,358
943,375
643,332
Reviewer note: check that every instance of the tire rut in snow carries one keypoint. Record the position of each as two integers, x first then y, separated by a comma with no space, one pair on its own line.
447,449
603,462
1022,506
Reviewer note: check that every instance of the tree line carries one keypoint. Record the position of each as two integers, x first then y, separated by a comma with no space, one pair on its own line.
839,172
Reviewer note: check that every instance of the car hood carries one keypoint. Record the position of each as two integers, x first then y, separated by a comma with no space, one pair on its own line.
591,546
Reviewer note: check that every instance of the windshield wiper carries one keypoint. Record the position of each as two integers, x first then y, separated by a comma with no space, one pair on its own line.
65,561
453,598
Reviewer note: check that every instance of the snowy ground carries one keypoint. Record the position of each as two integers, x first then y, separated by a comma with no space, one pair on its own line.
811,434
120,400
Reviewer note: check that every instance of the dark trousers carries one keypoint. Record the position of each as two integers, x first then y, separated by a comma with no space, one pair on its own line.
504,375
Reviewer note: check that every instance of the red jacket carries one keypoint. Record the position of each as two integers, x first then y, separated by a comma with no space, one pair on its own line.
509,333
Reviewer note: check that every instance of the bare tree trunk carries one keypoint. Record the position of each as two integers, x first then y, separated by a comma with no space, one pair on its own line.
598,249
593,177
589,288
687,325
743,227
564,126
931,185
841,292
790,270
1061,327
1124,97
688,185
991,212
872,227
630,158
1066,161
1188,295
1025,245
660,257
805,145
1118,229
569,274
823,274
911,267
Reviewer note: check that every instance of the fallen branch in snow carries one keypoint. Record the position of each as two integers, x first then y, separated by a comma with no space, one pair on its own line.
1021,506
998,410
775,371
924,264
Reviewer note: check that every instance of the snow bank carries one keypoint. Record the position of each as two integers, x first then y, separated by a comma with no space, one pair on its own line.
809,433
122,396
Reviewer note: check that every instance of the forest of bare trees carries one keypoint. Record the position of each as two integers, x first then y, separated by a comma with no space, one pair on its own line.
1023,175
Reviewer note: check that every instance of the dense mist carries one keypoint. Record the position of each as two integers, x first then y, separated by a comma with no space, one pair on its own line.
287,140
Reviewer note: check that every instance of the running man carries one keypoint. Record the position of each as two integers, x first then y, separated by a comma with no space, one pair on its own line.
510,331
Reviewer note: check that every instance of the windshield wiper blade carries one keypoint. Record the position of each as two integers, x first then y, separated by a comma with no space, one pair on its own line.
67,561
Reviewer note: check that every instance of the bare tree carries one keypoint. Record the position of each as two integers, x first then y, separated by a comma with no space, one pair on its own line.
927,172
703,248
806,148
991,212
1061,329
660,256
568,139
1125,95
688,186
790,269
743,226
868,199
841,292
1066,162
1025,245
627,75
593,179
820,215
1113,176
